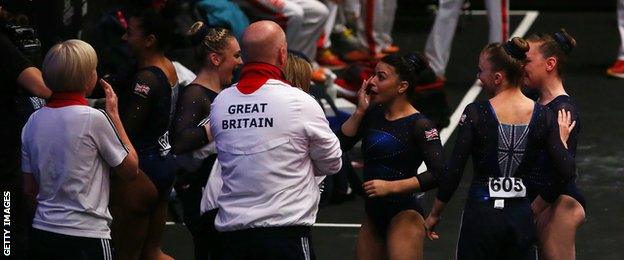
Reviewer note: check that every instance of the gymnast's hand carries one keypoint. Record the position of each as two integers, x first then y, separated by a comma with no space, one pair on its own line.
378,188
430,223
566,125
363,97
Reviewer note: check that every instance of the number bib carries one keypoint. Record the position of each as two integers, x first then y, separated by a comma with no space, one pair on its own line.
506,187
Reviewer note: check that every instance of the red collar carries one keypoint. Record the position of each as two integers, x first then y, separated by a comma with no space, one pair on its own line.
254,75
63,99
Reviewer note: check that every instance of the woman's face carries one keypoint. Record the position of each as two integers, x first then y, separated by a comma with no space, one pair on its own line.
486,73
134,36
536,68
230,60
385,84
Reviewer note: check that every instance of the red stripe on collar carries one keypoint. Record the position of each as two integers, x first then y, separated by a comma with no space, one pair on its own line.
63,99
254,75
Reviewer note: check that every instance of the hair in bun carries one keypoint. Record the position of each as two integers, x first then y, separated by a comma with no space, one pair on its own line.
509,57
558,45
197,32
408,68
416,61
207,39
565,41
516,48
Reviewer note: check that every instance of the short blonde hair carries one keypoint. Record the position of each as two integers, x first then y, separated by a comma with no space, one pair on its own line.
298,72
69,65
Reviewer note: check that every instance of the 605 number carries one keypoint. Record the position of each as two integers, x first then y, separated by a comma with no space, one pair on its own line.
506,184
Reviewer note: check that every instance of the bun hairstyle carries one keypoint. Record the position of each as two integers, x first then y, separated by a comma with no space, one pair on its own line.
416,62
565,41
559,45
408,67
207,40
509,57
516,48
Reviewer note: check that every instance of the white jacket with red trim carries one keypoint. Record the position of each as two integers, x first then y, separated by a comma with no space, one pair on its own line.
271,143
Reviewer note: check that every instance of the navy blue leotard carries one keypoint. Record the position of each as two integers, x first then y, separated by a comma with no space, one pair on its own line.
543,180
147,114
488,232
393,150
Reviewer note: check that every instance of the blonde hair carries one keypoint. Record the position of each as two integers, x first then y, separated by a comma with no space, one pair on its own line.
298,72
207,40
69,65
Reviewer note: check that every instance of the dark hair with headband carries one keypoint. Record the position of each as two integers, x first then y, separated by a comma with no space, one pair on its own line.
558,45
207,40
408,67
509,57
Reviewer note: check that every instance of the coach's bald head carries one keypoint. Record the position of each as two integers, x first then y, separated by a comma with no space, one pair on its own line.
265,41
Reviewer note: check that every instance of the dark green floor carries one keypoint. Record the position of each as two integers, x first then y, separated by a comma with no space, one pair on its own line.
600,158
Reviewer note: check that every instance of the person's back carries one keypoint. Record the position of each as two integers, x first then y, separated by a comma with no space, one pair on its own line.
504,136
514,110
264,141
68,150
272,139
70,158
504,143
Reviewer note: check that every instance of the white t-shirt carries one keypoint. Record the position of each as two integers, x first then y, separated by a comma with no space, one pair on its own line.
213,188
270,145
69,151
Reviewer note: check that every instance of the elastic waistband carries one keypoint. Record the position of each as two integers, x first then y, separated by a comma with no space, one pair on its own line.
267,232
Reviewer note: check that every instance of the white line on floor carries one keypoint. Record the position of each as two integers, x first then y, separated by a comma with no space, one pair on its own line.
484,12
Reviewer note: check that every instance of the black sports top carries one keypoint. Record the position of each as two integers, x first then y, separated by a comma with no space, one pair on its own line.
543,177
393,150
148,110
477,135
193,107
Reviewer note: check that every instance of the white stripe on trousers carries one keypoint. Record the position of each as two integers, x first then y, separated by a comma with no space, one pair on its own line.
495,20
306,248
106,250
110,249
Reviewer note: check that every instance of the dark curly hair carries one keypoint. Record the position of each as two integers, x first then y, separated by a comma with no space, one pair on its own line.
408,67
